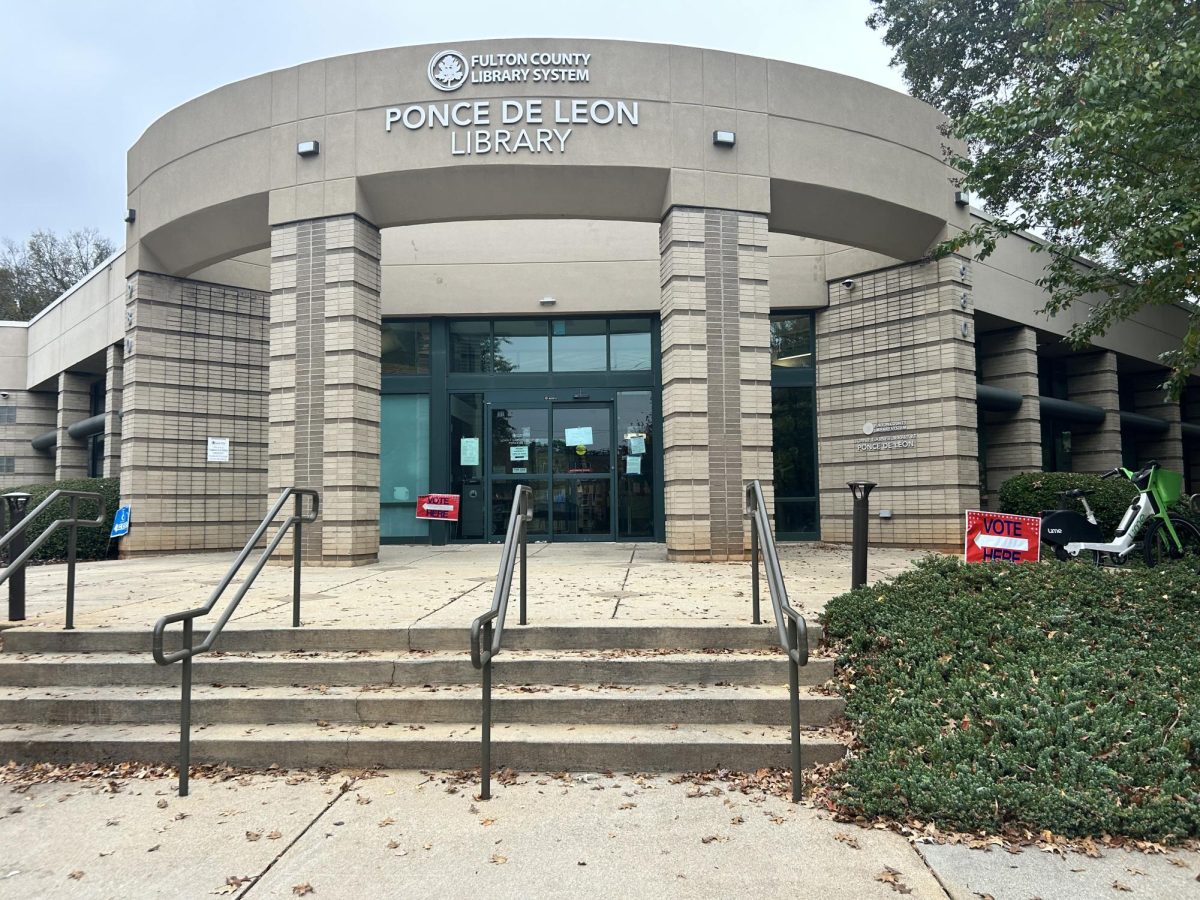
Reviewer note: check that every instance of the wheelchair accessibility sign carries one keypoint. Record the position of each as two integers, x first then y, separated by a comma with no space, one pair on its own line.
1000,536
120,523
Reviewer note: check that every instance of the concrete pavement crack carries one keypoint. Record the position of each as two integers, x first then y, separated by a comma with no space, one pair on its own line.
624,581
346,788
443,606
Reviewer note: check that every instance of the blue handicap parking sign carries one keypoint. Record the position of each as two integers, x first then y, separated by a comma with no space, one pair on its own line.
120,522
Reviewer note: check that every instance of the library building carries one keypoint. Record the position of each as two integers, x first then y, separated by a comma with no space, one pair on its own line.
632,276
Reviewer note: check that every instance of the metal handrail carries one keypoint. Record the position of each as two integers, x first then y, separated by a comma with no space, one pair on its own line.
73,522
296,521
487,631
793,630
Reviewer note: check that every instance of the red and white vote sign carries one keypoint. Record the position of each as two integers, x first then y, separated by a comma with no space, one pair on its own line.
438,506
992,535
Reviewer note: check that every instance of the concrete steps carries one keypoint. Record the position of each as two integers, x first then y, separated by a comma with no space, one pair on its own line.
586,748
565,698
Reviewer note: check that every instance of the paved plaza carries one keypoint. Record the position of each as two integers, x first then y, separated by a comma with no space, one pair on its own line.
423,586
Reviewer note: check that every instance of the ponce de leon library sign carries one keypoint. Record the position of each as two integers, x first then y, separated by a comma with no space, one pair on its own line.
509,126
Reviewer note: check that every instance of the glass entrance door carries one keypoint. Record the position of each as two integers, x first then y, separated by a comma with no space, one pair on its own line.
565,452
582,471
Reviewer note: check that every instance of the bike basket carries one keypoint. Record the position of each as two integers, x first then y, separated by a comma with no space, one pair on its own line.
1167,487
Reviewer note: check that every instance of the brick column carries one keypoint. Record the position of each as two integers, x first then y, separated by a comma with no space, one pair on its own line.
195,367
896,402
1092,379
716,376
324,401
74,404
1151,400
1008,360
113,384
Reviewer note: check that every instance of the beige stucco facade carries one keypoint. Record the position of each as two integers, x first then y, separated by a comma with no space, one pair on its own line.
250,294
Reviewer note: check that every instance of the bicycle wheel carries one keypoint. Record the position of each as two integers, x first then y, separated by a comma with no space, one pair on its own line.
1158,545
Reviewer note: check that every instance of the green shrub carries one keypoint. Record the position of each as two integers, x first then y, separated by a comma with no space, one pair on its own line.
92,543
1032,492
1051,695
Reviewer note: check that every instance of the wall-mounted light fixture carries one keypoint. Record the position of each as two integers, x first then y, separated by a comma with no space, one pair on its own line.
724,138
547,301
308,148
961,199
885,514
130,216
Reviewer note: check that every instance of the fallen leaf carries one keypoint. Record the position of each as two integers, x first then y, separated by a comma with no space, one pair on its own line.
846,839
1176,861
76,875
155,847
301,889
499,860
627,806
891,877
361,800
392,845
737,820
162,804
253,835
274,836
1117,886
386,822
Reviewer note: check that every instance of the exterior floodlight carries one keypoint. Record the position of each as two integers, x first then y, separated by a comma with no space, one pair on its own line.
547,301
960,198
308,148
724,138
130,216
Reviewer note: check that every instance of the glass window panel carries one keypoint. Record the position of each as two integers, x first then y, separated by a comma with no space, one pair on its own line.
520,444
791,341
522,346
579,345
582,439
403,463
629,349
582,506
471,346
404,348
635,458
795,517
793,423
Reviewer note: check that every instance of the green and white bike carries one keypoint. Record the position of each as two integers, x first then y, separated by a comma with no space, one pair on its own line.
1167,535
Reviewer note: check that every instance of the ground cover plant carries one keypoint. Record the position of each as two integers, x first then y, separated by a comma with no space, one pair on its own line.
1051,696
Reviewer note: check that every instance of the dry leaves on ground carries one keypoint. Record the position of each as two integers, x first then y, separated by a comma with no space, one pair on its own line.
846,839
76,875
301,889
891,877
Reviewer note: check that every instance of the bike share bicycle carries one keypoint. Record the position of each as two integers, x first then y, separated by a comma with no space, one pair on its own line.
1167,535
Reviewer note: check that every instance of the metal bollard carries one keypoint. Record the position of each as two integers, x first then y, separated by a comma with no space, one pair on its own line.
17,504
858,566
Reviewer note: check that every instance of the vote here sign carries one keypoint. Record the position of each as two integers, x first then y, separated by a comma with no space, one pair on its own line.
992,535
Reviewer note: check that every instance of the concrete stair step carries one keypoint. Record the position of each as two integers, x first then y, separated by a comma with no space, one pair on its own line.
742,667
578,748
378,704
26,639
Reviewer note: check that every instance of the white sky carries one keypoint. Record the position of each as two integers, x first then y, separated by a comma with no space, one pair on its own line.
81,79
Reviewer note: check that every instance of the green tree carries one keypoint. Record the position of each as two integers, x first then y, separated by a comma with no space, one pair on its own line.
34,273
1081,120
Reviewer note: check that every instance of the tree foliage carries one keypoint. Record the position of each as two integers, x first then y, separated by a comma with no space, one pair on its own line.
34,273
1081,120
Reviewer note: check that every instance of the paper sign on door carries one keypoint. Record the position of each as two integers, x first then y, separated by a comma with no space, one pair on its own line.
633,465
578,436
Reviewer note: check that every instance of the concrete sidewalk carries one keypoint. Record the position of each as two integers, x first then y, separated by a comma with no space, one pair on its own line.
422,586
415,834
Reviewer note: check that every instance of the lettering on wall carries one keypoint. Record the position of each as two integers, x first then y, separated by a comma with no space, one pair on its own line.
510,126
886,436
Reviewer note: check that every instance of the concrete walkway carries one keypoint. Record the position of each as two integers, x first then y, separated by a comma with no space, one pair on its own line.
422,586
416,834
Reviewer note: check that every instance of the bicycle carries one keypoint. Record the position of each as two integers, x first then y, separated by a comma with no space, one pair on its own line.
1167,534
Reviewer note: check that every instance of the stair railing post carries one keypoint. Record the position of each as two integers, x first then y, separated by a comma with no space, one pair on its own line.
757,616
72,544
17,504
524,554
485,765
185,712
794,703
296,537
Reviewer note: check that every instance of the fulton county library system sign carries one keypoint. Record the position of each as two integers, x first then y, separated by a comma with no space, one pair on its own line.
531,125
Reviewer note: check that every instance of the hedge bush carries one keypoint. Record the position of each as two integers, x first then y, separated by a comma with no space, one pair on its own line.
93,543
1031,493
1052,696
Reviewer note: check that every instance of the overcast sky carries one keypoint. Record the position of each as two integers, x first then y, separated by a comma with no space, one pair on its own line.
80,80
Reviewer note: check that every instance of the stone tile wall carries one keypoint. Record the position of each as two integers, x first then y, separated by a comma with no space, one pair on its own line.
716,377
1151,400
324,381
897,349
36,413
114,379
1092,379
74,404
1008,359
195,366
